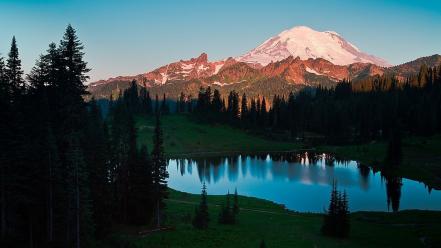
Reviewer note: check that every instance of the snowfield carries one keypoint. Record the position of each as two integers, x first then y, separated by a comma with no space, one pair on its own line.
306,43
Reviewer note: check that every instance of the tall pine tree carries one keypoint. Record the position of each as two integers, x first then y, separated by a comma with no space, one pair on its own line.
202,218
159,170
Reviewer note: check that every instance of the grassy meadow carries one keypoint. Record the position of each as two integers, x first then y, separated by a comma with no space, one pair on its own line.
183,136
261,219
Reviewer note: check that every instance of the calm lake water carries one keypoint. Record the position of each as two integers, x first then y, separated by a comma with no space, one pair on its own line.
301,182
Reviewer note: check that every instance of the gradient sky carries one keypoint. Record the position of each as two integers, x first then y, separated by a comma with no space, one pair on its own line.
131,37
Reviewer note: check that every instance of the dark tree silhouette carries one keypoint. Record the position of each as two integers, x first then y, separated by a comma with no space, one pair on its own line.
159,171
202,218
336,221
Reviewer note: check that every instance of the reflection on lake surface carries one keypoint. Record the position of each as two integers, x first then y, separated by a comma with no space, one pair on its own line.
301,182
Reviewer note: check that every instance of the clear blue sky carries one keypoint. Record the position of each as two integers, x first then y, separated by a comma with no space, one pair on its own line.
131,37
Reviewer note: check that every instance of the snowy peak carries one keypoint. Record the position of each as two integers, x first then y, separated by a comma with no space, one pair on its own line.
184,70
306,43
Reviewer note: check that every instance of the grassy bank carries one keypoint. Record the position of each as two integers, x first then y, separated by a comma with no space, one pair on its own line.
185,137
260,219
421,157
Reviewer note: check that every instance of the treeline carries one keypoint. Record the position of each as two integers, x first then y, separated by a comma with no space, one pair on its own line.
137,101
340,115
67,174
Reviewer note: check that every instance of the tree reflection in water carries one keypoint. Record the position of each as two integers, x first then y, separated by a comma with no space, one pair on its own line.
301,181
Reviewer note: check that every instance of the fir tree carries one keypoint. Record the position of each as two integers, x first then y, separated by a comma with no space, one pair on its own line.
236,203
164,106
244,108
159,171
226,215
97,153
253,113
79,209
141,203
336,221
4,85
70,88
263,112
217,101
233,107
14,73
181,103
45,72
189,104
131,98
202,218
146,101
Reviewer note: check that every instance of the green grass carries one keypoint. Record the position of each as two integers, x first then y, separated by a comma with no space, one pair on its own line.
260,219
184,136
421,157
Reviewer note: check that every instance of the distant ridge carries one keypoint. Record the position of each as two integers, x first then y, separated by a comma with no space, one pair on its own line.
278,66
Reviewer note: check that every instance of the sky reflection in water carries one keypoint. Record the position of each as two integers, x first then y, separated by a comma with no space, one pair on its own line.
302,184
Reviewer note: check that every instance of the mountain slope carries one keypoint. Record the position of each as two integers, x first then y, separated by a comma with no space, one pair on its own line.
279,73
182,70
307,43
412,67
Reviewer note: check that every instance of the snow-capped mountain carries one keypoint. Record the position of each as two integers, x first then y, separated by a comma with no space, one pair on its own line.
182,70
293,59
306,43
194,68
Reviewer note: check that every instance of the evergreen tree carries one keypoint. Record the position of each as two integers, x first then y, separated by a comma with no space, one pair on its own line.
45,73
14,73
146,101
140,202
159,171
70,88
263,113
336,221
253,113
189,104
244,109
157,105
233,107
3,77
79,211
164,106
217,101
226,215
236,203
423,75
96,153
131,98
202,218
181,103
344,216
291,115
